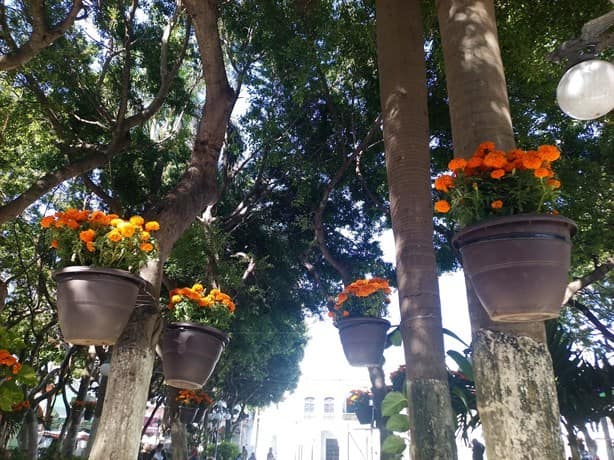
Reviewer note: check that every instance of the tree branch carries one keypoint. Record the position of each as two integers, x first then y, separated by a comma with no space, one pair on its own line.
113,203
593,319
597,274
42,36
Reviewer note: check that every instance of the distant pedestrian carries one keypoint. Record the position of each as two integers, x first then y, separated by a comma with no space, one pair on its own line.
270,455
194,454
244,453
477,450
158,453
252,456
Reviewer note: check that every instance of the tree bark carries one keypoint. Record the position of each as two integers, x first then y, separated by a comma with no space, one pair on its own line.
70,439
401,63
28,436
479,110
379,391
178,429
133,356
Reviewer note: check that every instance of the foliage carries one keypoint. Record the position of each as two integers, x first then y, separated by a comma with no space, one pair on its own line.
226,450
193,398
13,374
365,297
393,407
494,183
357,399
83,237
215,309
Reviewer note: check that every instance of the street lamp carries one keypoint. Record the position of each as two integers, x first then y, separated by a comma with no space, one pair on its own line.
586,90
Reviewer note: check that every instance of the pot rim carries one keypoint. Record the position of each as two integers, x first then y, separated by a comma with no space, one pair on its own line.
87,269
505,220
201,328
360,319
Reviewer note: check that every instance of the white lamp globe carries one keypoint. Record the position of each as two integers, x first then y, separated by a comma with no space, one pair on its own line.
586,91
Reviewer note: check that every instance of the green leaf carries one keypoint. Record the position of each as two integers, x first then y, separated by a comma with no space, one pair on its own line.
393,403
395,337
393,445
398,422
454,336
27,375
463,363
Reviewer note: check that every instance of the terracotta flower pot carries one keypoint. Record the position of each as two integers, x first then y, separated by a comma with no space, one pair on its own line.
186,414
518,265
189,354
363,340
95,304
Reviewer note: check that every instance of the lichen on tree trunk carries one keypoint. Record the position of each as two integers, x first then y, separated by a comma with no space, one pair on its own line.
516,397
428,408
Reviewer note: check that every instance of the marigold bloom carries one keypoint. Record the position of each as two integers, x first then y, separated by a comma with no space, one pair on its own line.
541,173
152,226
47,221
55,244
442,206
114,235
457,163
495,159
484,148
16,368
147,247
145,236
444,183
497,173
346,314
198,287
497,204
548,152
532,160
137,220
72,224
90,246
475,162
553,183
116,221
87,235
126,229
176,299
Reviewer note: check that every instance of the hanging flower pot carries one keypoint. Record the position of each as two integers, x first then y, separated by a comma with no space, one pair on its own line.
363,340
364,414
94,304
190,352
187,414
518,265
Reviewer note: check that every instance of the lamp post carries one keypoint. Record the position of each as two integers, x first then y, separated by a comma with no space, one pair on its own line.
586,90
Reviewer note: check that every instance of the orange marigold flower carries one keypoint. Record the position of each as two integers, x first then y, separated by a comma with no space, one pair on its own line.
47,221
475,162
497,204
114,235
555,212
548,152
484,148
495,159
541,173
444,183
152,226
90,246
553,183
87,235
457,163
342,298
532,160
147,247
137,220
55,244
497,173
16,368
72,224
442,206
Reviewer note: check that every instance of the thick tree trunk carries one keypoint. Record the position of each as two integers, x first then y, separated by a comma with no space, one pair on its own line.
404,106
97,413
379,391
178,429
70,439
120,426
479,109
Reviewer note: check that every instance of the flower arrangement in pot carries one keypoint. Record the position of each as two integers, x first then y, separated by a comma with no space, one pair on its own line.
358,313
359,402
98,286
514,246
195,337
189,402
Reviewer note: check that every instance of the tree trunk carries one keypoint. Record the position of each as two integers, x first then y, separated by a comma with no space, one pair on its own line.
404,106
479,110
609,447
74,423
97,413
178,429
379,391
28,436
120,426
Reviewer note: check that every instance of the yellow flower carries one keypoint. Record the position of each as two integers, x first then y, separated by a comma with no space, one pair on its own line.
114,235
198,287
152,226
137,220
145,236
176,299
126,229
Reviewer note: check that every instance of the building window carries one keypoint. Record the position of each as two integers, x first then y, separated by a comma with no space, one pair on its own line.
329,407
332,449
310,406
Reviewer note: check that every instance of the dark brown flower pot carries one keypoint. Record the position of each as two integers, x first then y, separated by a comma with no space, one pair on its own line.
518,265
363,340
95,304
186,414
364,414
189,354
